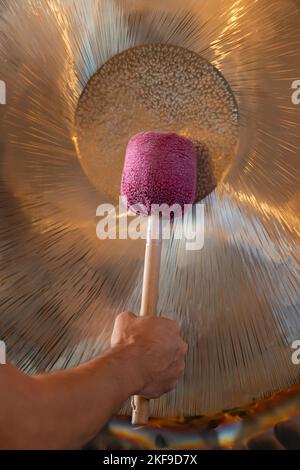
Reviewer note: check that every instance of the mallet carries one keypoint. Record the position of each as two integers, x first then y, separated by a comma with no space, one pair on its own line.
160,169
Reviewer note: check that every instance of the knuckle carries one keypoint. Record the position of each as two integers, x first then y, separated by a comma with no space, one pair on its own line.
176,326
125,316
173,384
184,347
179,367
172,325
181,351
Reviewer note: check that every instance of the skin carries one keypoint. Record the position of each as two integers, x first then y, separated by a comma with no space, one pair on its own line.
64,410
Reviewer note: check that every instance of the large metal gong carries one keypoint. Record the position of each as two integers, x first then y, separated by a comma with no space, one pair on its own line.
237,299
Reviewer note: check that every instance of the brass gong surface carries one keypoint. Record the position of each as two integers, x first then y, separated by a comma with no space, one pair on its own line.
153,87
237,300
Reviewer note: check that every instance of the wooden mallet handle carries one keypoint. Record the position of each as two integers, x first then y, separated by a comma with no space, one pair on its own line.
140,405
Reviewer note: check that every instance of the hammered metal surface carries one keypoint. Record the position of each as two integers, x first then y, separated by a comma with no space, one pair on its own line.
237,299
162,88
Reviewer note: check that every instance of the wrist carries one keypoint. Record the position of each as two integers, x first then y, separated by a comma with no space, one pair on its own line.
127,364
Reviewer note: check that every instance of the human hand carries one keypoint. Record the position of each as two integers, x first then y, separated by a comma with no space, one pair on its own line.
156,350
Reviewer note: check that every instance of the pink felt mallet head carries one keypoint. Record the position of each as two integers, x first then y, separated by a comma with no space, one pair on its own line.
160,168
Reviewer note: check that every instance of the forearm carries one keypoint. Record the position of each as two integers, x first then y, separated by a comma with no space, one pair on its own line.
63,410
79,402
67,408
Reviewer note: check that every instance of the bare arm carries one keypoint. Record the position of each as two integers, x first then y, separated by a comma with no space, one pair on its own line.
66,409
63,409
